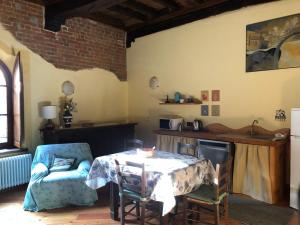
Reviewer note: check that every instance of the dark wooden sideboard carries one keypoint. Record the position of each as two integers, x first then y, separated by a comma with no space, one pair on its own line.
103,138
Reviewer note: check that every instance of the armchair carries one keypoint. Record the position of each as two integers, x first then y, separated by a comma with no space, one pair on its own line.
49,190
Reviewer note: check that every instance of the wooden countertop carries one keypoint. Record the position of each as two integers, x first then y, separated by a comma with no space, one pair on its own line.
265,139
94,126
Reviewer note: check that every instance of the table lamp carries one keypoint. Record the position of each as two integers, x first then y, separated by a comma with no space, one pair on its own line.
49,113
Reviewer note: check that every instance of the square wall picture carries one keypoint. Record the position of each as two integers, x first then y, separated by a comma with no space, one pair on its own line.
215,110
204,96
215,95
204,110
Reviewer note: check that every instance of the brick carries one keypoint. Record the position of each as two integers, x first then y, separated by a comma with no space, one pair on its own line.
81,43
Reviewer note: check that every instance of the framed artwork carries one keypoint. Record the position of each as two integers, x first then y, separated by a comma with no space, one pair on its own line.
204,95
273,44
204,110
215,95
215,110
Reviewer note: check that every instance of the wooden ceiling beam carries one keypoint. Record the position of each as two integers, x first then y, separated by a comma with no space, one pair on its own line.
106,19
206,9
39,2
129,12
171,4
172,15
79,7
140,7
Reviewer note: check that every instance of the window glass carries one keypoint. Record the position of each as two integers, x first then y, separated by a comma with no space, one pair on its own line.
3,129
2,78
3,100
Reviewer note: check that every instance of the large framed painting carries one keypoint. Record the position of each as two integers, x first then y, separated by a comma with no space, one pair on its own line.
273,44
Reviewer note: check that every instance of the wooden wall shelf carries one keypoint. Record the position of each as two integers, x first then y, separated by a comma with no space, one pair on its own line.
186,103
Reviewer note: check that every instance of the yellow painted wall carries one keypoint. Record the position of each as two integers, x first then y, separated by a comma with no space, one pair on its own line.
99,94
206,55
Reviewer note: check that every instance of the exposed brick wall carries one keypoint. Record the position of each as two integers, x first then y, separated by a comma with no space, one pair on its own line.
80,44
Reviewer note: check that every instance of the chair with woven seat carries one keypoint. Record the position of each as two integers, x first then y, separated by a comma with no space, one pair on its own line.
209,195
133,191
187,149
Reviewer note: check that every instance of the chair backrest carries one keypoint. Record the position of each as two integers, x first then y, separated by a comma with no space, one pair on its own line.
222,177
131,176
46,153
215,151
187,149
133,143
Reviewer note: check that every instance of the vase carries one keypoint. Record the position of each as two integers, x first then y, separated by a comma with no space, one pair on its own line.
67,118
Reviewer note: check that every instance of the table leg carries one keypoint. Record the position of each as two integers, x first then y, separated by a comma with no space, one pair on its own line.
114,201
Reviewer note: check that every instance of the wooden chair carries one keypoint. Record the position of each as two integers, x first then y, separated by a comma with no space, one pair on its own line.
184,149
133,191
133,143
187,149
214,195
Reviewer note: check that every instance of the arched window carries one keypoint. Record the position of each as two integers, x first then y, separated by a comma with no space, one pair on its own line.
11,106
6,112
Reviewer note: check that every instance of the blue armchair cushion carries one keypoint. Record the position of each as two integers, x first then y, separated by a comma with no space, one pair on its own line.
61,164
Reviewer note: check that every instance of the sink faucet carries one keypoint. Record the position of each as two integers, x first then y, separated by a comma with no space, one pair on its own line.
252,127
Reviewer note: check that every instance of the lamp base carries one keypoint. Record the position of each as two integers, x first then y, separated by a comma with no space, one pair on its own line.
49,125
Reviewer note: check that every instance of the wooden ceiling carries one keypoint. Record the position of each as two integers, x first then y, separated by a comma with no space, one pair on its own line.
137,17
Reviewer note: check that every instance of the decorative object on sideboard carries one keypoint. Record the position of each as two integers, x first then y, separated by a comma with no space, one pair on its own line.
280,115
49,112
68,106
153,82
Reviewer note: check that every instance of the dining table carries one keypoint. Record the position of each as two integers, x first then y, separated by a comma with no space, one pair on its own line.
168,175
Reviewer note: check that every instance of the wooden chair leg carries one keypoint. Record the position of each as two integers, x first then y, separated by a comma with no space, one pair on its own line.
122,213
217,214
226,208
198,214
137,209
185,204
142,218
161,218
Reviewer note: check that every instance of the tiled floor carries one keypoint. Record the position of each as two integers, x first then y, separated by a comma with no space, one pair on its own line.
12,213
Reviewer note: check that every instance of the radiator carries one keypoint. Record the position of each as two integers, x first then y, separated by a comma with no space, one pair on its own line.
15,170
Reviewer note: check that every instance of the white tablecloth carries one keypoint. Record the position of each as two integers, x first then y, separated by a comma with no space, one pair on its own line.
168,174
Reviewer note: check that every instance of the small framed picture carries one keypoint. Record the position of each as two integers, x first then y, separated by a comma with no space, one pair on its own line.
204,110
205,95
215,95
215,110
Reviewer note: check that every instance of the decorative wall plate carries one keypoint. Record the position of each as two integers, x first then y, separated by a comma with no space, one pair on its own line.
153,82
68,88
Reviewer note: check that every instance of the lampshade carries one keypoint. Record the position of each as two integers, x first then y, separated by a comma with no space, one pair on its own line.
49,111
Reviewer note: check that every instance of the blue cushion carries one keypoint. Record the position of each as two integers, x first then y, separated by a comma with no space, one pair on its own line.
61,164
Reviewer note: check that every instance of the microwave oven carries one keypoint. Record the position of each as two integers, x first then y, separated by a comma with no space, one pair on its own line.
170,122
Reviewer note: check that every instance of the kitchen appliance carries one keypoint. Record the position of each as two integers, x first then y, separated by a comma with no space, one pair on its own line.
170,122
295,158
197,125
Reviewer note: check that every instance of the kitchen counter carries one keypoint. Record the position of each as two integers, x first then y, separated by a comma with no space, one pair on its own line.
259,160
261,139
